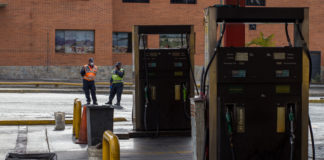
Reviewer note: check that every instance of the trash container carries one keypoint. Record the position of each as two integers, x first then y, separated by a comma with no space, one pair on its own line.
40,156
99,119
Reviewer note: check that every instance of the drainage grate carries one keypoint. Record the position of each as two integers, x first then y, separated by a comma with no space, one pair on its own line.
40,156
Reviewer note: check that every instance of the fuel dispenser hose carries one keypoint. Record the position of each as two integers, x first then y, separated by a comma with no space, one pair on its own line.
291,117
310,78
146,90
228,118
203,86
190,65
146,86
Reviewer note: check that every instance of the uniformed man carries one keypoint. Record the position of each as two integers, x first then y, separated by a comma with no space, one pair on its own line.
88,72
116,84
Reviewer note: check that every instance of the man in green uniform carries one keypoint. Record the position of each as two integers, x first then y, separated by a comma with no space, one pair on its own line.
116,84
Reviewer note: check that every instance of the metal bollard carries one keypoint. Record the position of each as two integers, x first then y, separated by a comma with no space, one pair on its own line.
110,146
76,117
73,123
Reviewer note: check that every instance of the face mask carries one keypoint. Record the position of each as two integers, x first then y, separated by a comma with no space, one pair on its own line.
91,63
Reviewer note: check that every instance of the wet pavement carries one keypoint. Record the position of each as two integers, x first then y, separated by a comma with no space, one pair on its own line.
43,138
163,148
30,106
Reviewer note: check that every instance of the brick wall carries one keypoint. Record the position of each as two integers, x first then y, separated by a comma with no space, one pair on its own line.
27,27
161,12
316,25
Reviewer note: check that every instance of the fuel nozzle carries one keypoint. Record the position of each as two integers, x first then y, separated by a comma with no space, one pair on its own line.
291,108
291,116
228,117
184,92
146,96
228,121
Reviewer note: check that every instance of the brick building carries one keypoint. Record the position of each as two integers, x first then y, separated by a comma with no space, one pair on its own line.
51,39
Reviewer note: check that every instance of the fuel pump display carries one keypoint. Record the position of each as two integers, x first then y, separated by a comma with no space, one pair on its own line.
165,80
259,98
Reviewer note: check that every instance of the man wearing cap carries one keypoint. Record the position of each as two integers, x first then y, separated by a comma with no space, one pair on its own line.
116,84
88,72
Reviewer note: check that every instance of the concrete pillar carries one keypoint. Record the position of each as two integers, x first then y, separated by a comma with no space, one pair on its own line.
198,134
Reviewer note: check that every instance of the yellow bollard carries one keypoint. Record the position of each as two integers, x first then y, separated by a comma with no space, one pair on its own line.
110,146
76,117
73,123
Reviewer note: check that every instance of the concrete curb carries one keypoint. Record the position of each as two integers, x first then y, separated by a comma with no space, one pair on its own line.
316,94
31,122
45,122
120,119
57,83
316,101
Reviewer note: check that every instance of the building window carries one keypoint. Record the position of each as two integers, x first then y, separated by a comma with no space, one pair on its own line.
74,41
184,1
173,41
122,42
137,1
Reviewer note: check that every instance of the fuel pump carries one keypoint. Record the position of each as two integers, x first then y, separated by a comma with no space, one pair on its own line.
258,96
163,81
